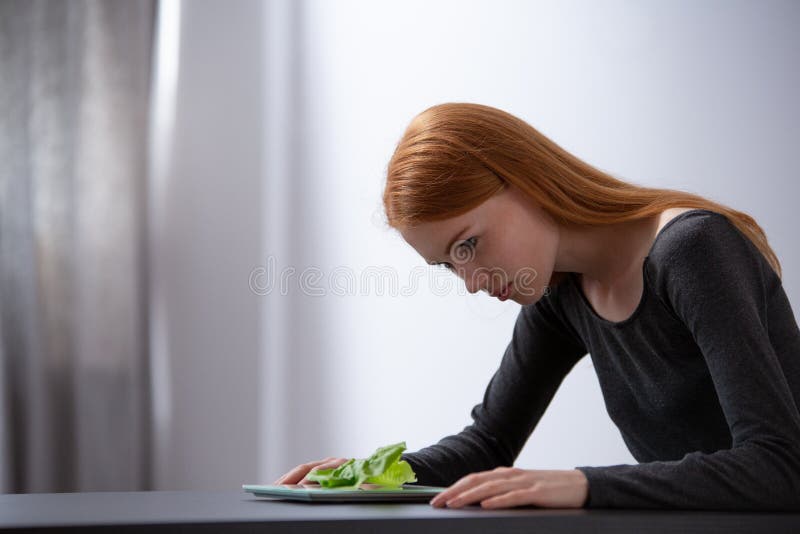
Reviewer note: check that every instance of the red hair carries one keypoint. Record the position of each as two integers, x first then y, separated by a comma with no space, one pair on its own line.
454,156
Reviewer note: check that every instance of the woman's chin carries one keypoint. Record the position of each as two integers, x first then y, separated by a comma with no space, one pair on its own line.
525,298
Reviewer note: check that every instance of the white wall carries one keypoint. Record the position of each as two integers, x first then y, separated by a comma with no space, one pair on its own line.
693,96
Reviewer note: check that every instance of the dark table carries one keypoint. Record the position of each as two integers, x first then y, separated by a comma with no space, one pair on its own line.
237,511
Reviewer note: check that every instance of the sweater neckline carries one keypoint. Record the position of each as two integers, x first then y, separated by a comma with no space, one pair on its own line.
645,284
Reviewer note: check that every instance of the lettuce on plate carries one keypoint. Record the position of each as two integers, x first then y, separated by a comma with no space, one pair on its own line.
384,467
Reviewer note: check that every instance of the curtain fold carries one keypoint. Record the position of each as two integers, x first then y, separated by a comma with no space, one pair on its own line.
74,92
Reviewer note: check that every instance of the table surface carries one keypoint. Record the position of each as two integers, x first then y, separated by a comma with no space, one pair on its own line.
238,511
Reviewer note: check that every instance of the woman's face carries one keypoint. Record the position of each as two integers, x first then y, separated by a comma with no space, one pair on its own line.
506,246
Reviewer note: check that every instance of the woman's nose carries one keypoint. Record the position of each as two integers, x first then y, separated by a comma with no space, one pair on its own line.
473,281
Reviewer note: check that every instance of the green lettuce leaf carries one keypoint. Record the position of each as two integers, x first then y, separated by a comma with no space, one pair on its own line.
384,467
396,475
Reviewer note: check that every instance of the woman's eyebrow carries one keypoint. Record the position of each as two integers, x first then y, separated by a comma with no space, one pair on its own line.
459,235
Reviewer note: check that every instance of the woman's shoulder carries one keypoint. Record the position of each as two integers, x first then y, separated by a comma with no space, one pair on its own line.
691,231
703,245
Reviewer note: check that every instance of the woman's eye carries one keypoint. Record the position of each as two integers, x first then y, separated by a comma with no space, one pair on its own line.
465,251
469,243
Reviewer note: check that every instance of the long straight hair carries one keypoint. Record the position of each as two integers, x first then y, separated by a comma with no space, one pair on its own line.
454,156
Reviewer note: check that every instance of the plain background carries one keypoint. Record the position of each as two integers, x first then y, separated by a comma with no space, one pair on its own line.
274,124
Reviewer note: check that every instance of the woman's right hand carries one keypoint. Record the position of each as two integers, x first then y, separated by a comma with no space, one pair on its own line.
298,474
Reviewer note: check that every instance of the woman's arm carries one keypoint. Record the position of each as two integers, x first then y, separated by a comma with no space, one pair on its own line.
726,293
538,357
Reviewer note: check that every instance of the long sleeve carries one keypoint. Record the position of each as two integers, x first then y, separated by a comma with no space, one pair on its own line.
718,283
538,357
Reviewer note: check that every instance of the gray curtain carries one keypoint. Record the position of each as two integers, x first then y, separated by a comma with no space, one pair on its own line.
74,88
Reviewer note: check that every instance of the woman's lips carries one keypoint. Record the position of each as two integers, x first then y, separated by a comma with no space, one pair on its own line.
504,294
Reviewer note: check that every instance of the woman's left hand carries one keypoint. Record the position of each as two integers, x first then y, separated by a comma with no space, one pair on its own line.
506,487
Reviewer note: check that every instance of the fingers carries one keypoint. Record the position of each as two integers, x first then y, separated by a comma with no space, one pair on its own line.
327,465
476,486
513,498
488,489
293,476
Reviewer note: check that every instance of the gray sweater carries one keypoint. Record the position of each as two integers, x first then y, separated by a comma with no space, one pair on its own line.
702,380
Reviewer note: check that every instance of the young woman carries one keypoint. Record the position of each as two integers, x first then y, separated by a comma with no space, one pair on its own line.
677,299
